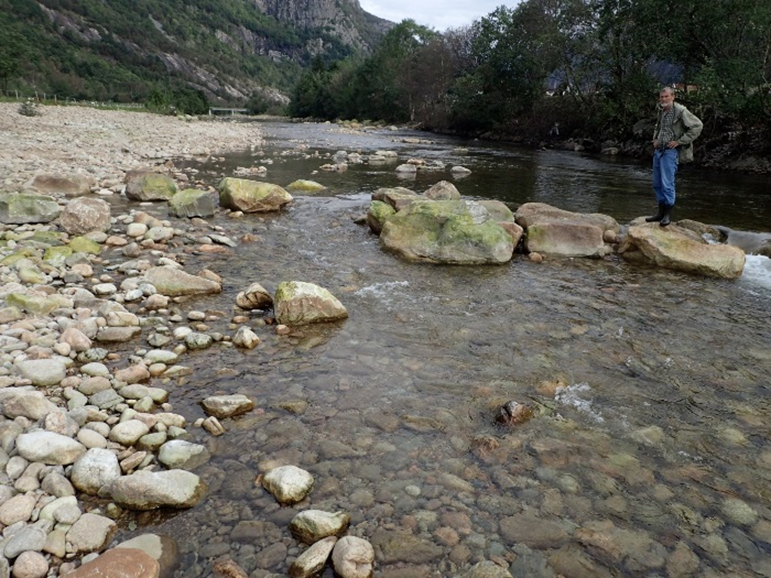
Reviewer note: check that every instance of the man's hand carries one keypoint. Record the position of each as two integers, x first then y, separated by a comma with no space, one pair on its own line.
673,144
655,143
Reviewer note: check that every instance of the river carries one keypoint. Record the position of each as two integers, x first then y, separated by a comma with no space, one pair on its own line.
649,454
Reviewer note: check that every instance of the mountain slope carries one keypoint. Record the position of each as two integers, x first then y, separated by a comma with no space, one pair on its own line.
123,50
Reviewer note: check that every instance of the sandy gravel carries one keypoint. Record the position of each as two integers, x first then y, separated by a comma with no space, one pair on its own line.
66,140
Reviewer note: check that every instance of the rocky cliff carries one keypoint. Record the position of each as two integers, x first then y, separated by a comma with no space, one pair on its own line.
344,18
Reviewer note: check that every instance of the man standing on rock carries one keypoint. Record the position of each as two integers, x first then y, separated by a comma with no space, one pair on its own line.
676,129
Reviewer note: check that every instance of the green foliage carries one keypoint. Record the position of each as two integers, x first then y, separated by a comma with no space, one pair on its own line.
177,100
29,108
120,50
259,103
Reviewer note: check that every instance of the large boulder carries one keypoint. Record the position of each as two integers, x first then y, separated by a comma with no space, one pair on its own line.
535,213
566,239
175,282
23,208
85,214
452,232
151,187
145,490
69,185
560,233
252,196
194,203
442,191
300,303
676,248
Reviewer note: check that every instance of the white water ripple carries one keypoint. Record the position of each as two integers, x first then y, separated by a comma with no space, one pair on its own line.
572,396
757,271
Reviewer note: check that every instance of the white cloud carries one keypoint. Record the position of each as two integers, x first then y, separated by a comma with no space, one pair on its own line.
437,14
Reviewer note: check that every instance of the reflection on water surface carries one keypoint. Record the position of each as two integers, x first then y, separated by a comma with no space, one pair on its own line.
648,454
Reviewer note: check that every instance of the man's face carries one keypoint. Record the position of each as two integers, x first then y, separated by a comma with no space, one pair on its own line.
666,99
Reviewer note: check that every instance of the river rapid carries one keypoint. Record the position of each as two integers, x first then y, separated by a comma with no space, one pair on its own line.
649,453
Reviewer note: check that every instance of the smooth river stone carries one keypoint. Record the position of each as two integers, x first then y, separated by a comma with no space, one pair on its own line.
288,484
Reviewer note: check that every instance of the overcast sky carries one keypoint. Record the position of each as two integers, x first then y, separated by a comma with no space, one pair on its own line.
436,14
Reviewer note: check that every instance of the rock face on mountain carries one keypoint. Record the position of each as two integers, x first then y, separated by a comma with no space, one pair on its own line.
346,18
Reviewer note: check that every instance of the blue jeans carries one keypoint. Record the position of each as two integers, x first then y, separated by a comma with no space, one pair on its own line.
664,171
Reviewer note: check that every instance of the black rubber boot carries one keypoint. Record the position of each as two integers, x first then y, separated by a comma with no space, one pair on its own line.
666,219
657,217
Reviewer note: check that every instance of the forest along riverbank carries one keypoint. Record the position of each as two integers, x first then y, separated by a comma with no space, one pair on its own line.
647,452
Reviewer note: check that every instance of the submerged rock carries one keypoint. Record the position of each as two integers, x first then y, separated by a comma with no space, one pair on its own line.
305,186
222,406
288,484
353,557
313,560
514,413
310,526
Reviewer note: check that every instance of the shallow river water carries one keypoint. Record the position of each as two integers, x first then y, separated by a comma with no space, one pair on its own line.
649,454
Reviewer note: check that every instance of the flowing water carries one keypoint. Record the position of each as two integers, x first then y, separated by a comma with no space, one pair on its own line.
649,453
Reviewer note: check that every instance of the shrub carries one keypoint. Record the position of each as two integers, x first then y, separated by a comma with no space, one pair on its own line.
29,108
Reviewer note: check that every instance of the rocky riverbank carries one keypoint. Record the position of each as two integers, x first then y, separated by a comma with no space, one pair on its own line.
102,145
70,425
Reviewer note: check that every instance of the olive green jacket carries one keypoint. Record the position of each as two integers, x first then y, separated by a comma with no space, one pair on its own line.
687,127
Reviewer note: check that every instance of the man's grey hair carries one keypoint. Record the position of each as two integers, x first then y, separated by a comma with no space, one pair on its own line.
668,89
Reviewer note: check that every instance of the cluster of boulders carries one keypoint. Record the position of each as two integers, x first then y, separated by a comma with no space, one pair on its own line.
351,557
438,226
77,418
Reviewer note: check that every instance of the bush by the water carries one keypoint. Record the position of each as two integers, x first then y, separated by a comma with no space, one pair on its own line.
29,108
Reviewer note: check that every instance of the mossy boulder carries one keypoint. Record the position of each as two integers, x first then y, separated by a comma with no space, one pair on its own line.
252,196
194,203
24,208
450,232
300,303
305,186
151,187
85,245
57,256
